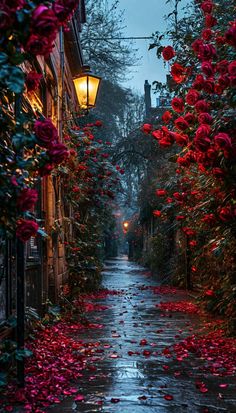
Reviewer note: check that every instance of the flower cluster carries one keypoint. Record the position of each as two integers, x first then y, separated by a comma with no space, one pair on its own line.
90,185
30,147
200,122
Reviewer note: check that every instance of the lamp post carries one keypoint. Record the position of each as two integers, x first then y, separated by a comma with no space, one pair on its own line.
86,87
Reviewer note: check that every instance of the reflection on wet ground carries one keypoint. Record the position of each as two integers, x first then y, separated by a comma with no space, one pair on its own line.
124,376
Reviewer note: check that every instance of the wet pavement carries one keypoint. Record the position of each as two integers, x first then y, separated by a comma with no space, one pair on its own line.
127,374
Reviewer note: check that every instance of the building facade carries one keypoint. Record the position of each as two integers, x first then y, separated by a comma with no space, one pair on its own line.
45,264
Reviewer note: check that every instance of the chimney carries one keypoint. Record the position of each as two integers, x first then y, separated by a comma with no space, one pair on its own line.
147,97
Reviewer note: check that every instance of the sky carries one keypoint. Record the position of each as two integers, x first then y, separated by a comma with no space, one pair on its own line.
142,18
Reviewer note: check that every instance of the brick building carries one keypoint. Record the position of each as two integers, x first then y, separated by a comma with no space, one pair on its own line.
45,259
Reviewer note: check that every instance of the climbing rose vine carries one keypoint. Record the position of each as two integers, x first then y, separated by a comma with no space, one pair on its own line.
201,124
30,146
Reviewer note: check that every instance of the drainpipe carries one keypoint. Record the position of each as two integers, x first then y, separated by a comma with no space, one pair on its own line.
20,285
61,83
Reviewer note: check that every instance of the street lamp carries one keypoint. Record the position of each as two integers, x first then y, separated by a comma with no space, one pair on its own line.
125,226
86,87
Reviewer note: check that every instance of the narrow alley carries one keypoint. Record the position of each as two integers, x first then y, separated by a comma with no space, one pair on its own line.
133,367
117,206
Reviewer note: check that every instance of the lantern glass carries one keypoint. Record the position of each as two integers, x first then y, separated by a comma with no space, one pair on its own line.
86,86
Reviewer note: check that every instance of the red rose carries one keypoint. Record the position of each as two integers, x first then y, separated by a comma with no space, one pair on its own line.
26,229
166,142
210,21
230,35
232,68
205,118
202,106
206,52
177,104
196,45
232,81
45,170
207,69
212,154
224,81
207,6
222,67
190,118
45,132
223,141
218,89
189,231
44,22
220,40
178,73
192,97
15,4
58,153
203,130
38,45
156,213
32,81
226,213
64,8
167,116
181,140
147,128
198,82
168,53
209,293
98,123
7,17
27,199
209,219
207,34
161,192
202,143
181,123
178,197
218,172
209,86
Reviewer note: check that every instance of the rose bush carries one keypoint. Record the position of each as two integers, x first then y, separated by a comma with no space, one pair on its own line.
27,30
202,123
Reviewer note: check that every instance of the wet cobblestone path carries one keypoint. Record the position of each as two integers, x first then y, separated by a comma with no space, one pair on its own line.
129,371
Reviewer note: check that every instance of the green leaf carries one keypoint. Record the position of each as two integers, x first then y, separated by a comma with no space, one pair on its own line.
55,310
3,58
17,58
20,140
42,233
21,354
151,46
15,79
11,321
3,379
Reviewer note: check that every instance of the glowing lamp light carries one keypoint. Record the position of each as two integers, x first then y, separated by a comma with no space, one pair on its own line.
86,87
125,226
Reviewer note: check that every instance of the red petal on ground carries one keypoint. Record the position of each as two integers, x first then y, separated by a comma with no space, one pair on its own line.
79,398
168,397
180,306
146,353
143,342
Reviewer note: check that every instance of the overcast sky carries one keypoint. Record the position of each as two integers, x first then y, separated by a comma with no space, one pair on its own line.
142,18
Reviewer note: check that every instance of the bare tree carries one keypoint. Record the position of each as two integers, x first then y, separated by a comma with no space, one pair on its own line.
102,42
